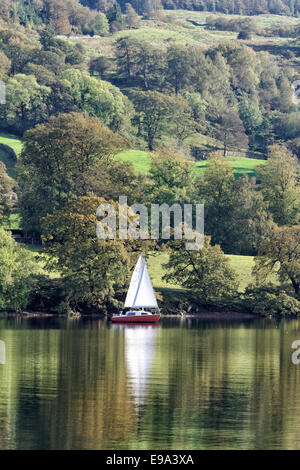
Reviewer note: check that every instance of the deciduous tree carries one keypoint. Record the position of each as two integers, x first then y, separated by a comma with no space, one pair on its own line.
155,112
57,160
93,270
97,97
205,271
231,131
5,65
132,19
179,67
16,274
280,254
101,25
26,103
6,187
171,178
280,186
217,190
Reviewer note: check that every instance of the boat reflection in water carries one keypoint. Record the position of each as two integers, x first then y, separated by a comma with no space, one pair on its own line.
2,353
139,356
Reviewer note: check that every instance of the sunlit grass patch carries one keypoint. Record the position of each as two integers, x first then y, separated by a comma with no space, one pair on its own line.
12,141
241,165
242,265
139,159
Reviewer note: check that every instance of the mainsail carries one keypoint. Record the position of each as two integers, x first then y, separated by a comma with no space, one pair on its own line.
140,293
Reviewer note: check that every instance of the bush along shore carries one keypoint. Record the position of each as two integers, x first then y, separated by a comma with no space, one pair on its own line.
257,303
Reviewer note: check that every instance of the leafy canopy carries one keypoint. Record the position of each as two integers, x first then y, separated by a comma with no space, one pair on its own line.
206,271
16,274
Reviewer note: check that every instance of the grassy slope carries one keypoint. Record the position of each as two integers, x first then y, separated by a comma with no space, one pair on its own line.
16,145
241,264
241,165
139,159
177,28
12,141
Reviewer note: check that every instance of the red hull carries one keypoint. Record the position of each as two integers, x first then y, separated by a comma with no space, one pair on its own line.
137,319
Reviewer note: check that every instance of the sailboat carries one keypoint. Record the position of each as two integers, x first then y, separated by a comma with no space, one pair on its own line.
140,295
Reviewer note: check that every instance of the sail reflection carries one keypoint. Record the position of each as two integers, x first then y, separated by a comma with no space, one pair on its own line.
2,353
139,356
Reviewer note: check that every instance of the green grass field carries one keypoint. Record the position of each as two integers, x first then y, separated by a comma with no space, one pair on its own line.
165,35
241,165
16,145
262,20
176,27
139,159
243,266
12,141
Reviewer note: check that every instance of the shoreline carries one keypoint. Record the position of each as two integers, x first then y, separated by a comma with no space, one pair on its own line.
200,315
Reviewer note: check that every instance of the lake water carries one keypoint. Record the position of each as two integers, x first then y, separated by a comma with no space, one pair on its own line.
182,384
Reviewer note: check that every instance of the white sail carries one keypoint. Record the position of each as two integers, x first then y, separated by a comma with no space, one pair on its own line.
134,283
140,293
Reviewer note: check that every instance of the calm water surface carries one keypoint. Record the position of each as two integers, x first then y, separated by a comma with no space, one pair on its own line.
183,384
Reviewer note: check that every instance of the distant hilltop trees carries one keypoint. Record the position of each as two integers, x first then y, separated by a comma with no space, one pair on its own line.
237,7
81,15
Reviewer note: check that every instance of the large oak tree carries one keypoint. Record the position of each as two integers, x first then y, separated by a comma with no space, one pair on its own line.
58,163
93,270
280,254
280,185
